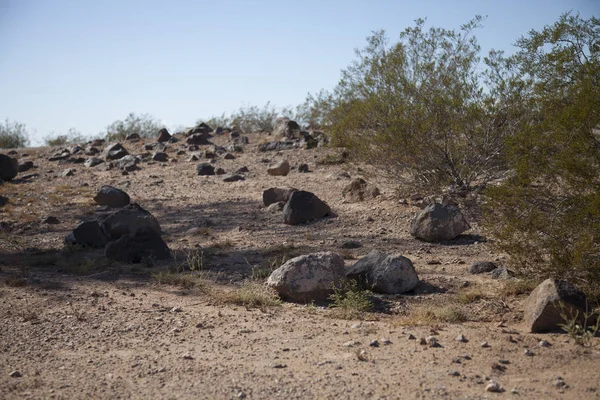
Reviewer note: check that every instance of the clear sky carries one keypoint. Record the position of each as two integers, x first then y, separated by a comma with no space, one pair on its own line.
87,63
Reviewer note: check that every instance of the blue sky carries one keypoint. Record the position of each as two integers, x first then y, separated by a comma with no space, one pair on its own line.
85,63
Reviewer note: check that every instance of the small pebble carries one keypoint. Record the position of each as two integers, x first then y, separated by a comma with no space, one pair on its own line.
494,387
528,352
422,342
15,374
386,341
411,337
374,343
454,373
545,343
279,366
461,338
485,345
188,357
432,341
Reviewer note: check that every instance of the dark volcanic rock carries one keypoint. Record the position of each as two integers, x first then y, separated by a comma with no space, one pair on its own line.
133,248
127,220
9,167
275,195
115,151
111,197
302,207
205,169
88,234
163,135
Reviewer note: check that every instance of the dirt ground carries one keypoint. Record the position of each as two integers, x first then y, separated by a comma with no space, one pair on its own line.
76,326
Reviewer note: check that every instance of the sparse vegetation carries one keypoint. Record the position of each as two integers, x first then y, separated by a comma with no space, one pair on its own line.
516,287
72,136
429,314
13,134
144,125
349,301
252,295
581,332
184,280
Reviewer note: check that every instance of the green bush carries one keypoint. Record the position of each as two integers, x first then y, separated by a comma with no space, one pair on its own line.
12,135
71,137
144,125
546,215
249,118
422,108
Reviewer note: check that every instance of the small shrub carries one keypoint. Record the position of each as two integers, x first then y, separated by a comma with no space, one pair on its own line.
516,287
349,301
186,281
71,137
253,295
12,135
144,125
581,333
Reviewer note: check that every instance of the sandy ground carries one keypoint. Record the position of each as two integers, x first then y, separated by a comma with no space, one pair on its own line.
75,326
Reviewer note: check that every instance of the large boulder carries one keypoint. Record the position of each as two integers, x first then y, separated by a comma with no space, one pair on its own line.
127,220
307,278
282,168
115,151
89,234
548,301
383,273
302,207
286,128
438,222
359,190
276,195
9,167
132,248
112,197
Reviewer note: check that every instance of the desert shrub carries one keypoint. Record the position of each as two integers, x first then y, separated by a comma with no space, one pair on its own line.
248,118
422,105
72,136
13,134
144,125
546,215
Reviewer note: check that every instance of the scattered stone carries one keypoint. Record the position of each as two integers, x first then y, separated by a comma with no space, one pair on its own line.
454,373
276,195
282,168
351,343
461,338
502,273
359,190
392,274
287,128
432,341
543,307
438,222
494,387
302,207
188,357
220,171
374,343
111,197
485,345
560,383
528,353
205,169
15,374
127,220
3,201
160,156
145,242
278,365
276,207
307,278
26,166
115,151
386,342
352,244
193,157
242,170
60,155
228,156
234,178
411,337
128,163
423,342
303,168
163,135
87,233
92,162
198,139
50,220
68,172
481,267
544,343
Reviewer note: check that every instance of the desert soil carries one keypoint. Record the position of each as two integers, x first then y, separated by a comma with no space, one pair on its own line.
74,326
